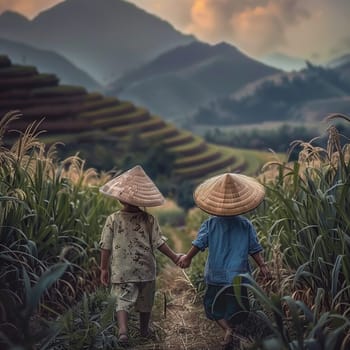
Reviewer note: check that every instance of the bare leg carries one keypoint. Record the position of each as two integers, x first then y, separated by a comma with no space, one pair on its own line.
225,325
144,323
122,319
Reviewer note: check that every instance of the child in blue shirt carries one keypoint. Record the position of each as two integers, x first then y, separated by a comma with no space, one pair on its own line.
230,239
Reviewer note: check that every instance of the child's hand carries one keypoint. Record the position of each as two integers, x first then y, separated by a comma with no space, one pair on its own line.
104,277
177,257
184,262
265,272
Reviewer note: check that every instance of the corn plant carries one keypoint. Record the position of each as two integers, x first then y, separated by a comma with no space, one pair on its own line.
294,326
17,329
308,206
87,325
55,203
304,227
50,212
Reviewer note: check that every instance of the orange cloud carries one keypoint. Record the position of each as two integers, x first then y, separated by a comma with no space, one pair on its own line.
201,16
259,29
209,19
256,25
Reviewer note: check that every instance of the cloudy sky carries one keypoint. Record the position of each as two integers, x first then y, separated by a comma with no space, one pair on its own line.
316,30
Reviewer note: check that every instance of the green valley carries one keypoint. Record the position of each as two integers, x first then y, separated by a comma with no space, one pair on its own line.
83,121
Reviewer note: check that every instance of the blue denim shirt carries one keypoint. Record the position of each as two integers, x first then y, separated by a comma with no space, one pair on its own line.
230,240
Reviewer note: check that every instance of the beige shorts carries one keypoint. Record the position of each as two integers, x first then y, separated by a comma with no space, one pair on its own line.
138,294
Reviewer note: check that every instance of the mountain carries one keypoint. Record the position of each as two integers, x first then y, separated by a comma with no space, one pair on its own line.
177,82
104,38
339,61
108,132
48,61
284,62
341,64
13,22
307,95
344,70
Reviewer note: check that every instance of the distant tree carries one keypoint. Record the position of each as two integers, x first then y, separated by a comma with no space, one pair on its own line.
184,194
158,161
99,154
278,139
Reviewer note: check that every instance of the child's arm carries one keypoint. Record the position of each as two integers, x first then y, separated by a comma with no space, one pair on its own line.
105,254
185,260
262,265
166,250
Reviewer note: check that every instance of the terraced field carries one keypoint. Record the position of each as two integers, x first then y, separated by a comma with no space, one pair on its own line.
72,114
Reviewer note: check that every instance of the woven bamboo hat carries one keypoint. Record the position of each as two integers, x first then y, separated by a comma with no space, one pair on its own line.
229,194
134,187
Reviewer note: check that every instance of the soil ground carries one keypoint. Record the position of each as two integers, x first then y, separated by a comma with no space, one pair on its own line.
179,321
183,324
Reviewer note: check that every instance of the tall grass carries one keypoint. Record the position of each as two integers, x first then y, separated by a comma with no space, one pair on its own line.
308,206
305,219
50,212
304,226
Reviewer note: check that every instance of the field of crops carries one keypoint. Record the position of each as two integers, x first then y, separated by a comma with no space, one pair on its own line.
69,113
51,215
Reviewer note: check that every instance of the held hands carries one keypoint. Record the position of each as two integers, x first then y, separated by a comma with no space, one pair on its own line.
265,273
104,278
184,262
177,257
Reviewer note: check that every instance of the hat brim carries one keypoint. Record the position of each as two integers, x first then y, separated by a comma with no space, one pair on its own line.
229,194
134,187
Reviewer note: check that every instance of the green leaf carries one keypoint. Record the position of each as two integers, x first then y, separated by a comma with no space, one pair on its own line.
335,274
273,344
34,294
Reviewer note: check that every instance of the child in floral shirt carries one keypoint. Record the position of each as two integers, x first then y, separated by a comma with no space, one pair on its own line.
128,242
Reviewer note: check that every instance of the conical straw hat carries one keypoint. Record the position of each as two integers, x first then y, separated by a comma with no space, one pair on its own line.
134,187
229,194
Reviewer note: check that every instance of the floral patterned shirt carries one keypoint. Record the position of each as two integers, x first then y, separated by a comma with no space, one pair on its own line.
132,239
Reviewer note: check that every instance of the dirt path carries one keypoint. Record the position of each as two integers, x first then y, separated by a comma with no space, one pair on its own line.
183,323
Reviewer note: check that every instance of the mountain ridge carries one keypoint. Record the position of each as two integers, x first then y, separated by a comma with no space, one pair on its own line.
175,83
301,96
48,61
104,39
